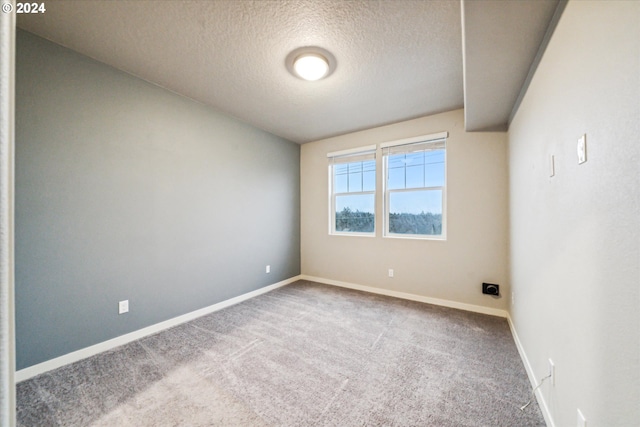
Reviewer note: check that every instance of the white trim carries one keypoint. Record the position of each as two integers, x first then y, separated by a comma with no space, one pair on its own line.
414,139
330,201
359,150
354,234
32,371
412,297
434,237
542,403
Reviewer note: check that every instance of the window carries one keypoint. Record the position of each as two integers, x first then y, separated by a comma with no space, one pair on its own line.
352,190
415,187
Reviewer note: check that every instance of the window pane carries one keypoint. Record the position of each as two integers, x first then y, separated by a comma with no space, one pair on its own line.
340,183
396,161
369,165
435,168
415,212
369,183
369,175
354,177
355,182
355,213
415,176
414,159
396,178
415,170
355,167
341,168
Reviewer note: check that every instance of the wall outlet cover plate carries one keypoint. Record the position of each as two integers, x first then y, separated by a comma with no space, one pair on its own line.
123,306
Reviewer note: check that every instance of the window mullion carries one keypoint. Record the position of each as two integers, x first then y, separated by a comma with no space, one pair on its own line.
348,175
405,171
424,168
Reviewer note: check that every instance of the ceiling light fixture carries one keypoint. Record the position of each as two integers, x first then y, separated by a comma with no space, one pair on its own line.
310,63
310,66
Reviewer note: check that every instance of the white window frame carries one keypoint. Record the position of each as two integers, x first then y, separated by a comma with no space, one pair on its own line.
348,156
435,138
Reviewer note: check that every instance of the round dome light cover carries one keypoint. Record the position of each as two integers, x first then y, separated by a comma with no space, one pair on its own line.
311,66
310,63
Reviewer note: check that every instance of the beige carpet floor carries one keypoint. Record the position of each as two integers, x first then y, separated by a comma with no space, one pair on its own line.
303,355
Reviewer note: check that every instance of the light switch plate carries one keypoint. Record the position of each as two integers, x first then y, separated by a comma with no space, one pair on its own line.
123,306
582,149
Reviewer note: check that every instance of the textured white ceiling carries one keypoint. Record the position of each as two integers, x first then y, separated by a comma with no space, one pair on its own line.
396,59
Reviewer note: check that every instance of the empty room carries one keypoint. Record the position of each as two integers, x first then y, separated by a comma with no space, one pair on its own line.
320,213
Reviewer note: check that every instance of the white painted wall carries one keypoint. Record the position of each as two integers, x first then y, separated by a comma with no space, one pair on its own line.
575,238
476,245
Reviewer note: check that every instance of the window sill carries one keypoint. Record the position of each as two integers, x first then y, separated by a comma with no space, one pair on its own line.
352,234
413,237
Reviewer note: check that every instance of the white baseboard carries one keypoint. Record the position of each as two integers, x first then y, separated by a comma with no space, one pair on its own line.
40,368
546,413
407,296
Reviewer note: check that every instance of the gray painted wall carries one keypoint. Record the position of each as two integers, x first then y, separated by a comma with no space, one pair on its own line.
127,191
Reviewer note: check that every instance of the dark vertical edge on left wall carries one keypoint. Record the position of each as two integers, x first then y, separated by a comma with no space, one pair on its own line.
7,96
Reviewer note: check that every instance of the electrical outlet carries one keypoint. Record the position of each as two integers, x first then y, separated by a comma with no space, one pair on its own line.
390,272
123,307
552,372
268,269
582,421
